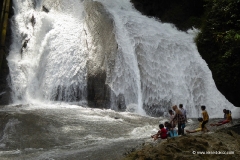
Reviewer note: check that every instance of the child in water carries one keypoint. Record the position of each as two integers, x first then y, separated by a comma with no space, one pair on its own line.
162,133
200,120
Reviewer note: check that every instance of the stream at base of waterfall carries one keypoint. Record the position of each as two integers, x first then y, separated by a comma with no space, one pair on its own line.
63,131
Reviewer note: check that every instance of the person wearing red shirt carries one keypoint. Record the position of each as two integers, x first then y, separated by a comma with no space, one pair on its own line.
162,133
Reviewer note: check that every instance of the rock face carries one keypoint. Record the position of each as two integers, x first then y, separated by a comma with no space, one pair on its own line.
5,96
50,4
102,50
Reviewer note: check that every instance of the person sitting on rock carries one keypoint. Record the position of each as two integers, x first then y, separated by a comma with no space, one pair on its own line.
227,120
168,127
224,117
200,120
162,133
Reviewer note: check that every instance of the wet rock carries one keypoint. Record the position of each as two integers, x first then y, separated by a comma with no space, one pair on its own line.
101,64
45,9
225,142
5,95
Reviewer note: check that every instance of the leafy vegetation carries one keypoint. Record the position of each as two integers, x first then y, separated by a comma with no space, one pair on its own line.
219,45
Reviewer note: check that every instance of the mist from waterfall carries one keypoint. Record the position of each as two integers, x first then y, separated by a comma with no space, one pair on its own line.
156,64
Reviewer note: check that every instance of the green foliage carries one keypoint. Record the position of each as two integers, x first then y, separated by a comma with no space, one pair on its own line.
219,45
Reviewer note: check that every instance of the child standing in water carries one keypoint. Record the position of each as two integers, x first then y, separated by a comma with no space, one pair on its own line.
205,118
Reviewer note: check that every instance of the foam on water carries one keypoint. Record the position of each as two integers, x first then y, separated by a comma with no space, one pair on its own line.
145,131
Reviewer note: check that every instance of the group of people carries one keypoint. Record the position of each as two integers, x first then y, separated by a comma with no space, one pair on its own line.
179,119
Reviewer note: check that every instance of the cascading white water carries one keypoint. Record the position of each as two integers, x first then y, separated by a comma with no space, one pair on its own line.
54,60
155,64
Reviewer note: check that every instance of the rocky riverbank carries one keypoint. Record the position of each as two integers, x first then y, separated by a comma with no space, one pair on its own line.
221,144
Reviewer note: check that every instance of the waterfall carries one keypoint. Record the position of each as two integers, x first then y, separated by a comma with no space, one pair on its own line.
60,49
52,64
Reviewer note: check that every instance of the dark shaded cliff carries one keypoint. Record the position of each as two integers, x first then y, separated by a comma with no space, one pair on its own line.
6,12
184,14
